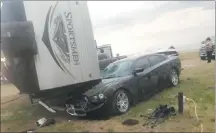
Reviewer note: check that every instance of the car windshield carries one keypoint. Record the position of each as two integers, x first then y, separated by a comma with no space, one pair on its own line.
117,69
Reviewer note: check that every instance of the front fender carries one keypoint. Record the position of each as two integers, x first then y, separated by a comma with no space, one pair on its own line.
130,87
128,84
112,89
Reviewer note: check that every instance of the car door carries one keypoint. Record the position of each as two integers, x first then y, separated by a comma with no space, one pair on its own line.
158,68
143,78
164,66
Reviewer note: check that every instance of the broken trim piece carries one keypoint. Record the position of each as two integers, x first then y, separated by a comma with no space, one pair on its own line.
72,110
47,107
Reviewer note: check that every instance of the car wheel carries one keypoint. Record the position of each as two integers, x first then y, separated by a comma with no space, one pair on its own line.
121,102
174,77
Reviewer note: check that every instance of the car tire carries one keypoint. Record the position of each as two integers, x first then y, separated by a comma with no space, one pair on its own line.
120,102
173,78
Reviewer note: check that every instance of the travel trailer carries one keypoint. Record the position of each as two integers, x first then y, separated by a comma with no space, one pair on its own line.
50,48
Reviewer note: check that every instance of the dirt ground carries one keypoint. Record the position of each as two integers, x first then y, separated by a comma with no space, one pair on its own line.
10,91
187,122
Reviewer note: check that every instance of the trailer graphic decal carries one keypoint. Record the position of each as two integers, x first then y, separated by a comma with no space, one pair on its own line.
60,38
55,37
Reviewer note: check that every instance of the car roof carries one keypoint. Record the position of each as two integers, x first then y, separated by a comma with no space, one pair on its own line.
166,50
136,56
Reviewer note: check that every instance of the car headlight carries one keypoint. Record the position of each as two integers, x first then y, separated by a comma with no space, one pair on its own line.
101,96
98,98
95,97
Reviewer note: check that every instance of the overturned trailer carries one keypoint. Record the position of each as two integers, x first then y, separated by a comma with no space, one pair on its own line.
51,51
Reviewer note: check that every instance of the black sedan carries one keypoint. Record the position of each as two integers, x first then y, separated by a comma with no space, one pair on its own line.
127,81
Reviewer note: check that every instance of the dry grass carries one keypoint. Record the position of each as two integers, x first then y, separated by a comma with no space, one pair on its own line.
197,82
189,55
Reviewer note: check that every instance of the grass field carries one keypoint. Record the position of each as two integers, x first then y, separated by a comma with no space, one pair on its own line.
197,82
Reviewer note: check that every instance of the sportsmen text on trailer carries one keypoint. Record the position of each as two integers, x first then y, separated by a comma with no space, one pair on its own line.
71,35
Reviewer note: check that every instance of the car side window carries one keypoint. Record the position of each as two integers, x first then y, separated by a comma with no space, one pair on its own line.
162,57
142,63
156,59
171,53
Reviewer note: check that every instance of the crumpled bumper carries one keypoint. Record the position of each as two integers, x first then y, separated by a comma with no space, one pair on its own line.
78,109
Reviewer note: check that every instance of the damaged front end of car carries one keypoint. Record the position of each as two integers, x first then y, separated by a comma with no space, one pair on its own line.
86,104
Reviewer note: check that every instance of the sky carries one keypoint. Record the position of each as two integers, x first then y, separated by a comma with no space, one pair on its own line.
137,26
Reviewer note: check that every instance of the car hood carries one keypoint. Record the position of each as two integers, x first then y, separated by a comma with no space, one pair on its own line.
105,85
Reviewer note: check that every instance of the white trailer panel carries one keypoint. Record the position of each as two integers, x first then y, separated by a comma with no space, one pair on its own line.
66,48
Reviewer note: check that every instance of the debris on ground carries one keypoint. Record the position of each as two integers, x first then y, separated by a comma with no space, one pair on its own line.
211,87
130,122
150,109
213,120
42,122
159,115
28,131
45,122
188,78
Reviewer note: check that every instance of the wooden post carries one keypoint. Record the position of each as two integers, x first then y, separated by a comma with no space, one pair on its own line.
180,103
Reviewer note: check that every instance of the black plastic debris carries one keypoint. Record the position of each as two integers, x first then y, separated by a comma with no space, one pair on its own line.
45,122
130,122
211,87
159,115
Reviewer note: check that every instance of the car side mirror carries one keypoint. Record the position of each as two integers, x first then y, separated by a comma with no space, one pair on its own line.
137,70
